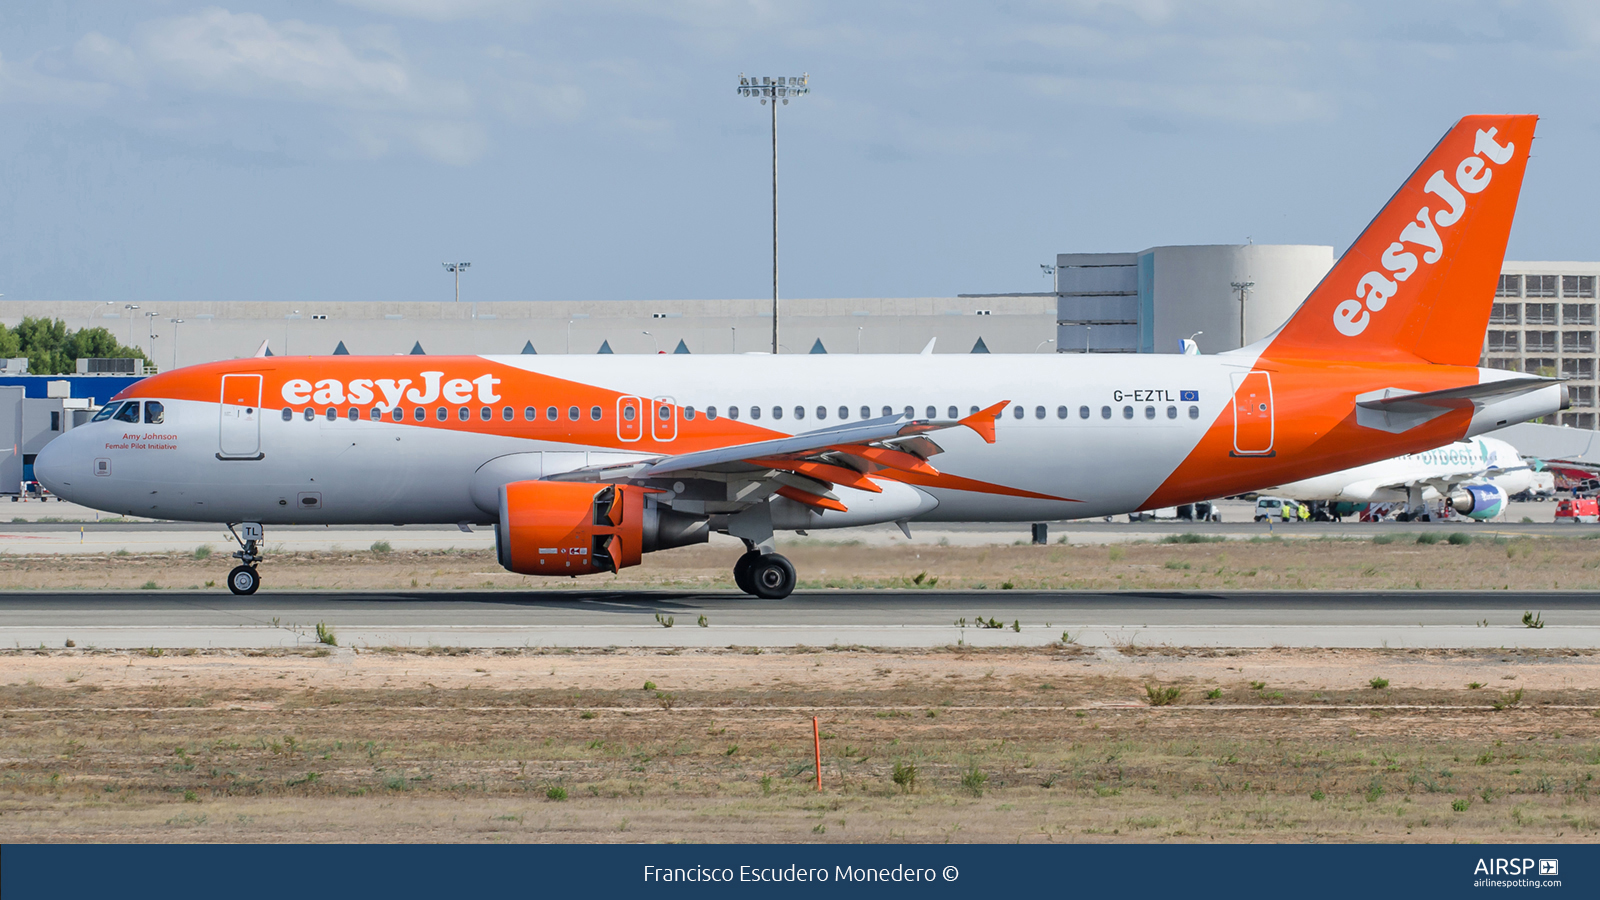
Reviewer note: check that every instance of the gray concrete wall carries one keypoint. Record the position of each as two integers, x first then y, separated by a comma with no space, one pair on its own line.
227,330
1193,293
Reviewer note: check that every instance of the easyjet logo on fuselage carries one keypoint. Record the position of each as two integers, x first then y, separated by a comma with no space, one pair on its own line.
362,391
1375,288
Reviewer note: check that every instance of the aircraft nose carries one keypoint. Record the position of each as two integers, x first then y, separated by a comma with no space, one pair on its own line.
53,466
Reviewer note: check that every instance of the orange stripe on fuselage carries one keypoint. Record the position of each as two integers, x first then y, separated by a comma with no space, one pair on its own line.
1316,432
516,388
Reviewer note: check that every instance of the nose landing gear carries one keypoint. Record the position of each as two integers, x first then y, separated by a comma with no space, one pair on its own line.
767,575
244,579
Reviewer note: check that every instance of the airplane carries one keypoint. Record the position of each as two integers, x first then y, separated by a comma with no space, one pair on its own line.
1476,477
584,464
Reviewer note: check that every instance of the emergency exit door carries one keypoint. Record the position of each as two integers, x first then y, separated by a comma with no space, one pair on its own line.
241,417
1252,414
630,421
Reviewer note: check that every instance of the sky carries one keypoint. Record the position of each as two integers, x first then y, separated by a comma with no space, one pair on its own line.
158,150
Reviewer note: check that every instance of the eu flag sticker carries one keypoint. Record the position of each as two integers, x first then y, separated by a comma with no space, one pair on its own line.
1189,396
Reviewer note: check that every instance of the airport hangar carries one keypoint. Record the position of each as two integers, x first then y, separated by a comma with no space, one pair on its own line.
1223,295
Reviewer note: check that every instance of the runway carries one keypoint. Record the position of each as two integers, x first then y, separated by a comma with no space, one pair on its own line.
1113,622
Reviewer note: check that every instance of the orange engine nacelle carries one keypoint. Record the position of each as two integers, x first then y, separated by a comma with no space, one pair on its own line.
568,528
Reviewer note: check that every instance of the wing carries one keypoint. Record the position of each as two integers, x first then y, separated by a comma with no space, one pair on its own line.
803,467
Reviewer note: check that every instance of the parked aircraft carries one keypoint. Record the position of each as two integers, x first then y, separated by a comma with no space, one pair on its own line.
1476,476
584,464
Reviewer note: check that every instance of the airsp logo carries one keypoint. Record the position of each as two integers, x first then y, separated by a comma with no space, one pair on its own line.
1375,288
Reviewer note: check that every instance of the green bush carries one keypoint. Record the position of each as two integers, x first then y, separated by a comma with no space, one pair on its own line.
1460,538
556,793
202,552
1189,537
905,776
973,779
325,635
1383,539
1428,537
1162,696
381,547
1379,684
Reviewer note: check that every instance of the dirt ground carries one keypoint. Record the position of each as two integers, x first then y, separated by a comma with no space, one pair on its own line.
1057,744
1399,563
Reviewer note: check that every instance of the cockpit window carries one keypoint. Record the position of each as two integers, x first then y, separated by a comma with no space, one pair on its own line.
152,412
129,412
105,412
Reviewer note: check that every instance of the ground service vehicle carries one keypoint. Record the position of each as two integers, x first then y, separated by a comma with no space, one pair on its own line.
1578,509
585,464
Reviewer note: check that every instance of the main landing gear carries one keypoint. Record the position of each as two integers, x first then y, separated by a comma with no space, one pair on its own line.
244,579
767,575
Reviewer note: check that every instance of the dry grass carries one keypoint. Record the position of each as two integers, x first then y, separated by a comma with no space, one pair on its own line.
457,745
1528,564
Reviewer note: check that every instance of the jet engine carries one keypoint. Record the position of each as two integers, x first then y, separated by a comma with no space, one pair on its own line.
570,528
1479,501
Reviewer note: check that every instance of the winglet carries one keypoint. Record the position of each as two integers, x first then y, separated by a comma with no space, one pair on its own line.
261,350
928,350
982,421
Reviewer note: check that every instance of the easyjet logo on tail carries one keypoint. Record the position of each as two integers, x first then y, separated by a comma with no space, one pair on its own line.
1375,288
361,391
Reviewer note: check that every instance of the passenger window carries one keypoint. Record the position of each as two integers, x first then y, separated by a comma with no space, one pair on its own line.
866,412
799,412
353,414
711,413
1105,412
955,413
1061,412
506,413
688,413
1083,412
911,413
1194,412
152,412
110,408
1127,412
419,414
1038,412
397,414
332,415
573,414
312,414
777,412
1016,411
529,413
484,413
822,412
595,413
1172,412
463,414
733,413
374,414
888,411
755,412
844,412
551,414
288,414
974,411
933,412
130,412
1149,412
441,413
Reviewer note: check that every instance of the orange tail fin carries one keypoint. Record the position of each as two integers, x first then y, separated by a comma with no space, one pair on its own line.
1419,281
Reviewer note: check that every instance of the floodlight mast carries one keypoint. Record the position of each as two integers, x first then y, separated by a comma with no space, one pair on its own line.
455,269
1243,287
769,90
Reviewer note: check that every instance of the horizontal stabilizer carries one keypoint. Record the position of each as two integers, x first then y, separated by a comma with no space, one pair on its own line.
1396,409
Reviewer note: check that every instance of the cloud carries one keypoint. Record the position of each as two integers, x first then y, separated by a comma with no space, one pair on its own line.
375,96
447,10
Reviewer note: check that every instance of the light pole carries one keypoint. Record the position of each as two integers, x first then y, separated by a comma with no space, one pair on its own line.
652,340
1243,287
455,269
1042,343
128,308
175,324
150,328
1049,272
769,91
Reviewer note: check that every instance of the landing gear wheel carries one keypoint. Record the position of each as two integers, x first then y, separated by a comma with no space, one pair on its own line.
741,571
243,580
772,577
